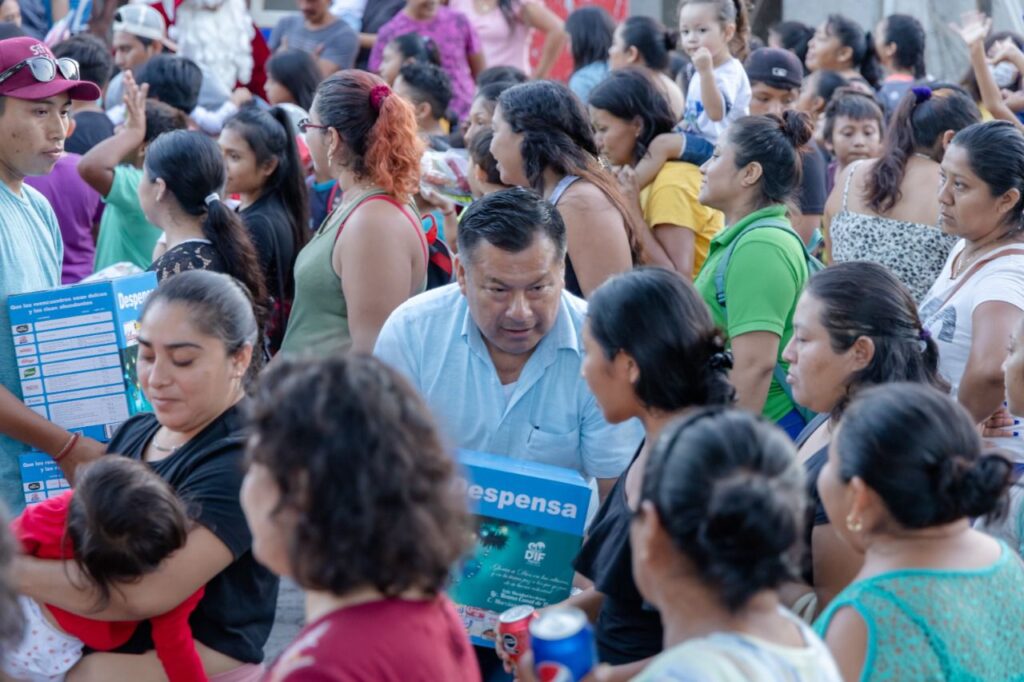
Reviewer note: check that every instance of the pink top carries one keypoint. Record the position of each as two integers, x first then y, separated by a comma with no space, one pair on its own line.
504,45
456,41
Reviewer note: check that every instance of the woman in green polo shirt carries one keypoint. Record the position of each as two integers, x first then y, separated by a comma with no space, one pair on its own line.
753,277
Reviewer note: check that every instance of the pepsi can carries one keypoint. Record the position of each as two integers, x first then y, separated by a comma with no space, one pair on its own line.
563,645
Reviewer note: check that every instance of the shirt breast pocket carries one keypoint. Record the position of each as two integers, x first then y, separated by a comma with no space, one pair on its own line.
557,449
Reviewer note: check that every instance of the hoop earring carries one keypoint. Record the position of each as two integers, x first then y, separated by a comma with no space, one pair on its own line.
854,525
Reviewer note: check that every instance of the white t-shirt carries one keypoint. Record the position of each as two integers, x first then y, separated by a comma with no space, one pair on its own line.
735,657
734,85
950,322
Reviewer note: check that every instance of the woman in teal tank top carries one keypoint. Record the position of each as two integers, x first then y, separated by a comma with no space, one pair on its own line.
370,254
936,599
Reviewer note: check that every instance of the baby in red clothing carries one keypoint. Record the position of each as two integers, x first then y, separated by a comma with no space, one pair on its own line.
118,524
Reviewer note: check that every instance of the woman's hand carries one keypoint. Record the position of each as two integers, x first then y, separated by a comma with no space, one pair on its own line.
999,425
1006,51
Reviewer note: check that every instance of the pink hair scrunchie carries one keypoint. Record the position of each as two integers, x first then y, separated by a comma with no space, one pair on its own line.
378,94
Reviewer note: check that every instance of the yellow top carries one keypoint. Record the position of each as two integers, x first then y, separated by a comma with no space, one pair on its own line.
672,200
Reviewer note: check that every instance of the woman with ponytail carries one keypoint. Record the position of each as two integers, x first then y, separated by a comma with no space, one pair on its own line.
652,353
263,168
900,47
543,140
644,43
935,599
179,193
370,254
855,326
876,211
841,45
753,277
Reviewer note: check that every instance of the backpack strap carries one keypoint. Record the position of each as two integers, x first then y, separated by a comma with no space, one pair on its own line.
723,265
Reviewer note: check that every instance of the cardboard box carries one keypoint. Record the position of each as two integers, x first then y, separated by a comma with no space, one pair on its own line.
77,348
530,519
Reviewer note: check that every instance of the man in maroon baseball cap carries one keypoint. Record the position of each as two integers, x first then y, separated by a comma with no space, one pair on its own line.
35,97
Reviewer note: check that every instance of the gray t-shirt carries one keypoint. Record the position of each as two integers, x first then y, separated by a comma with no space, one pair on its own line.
340,42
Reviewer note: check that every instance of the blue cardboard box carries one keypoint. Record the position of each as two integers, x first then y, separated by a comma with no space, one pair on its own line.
77,348
530,519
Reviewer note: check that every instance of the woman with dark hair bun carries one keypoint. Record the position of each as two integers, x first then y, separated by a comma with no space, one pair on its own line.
876,211
370,254
935,599
543,140
855,326
713,534
644,43
628,112
652,353
351,492
757,265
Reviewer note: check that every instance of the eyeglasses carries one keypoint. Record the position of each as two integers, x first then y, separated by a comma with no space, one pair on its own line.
45,69
305,125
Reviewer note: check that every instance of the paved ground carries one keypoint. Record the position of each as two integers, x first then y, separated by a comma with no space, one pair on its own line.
289,619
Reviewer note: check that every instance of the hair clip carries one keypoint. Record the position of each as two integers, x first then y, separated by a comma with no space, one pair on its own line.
922,93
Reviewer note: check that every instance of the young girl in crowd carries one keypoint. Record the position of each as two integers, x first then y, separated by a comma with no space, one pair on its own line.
643,43
184,171
720,514
840,45
543,140
481,114
935,598
878,211
855,326
263,168
374,610
714,35
627,112
370,255
853,130
410,47
457,43
591,32
118,524
757,265
900,47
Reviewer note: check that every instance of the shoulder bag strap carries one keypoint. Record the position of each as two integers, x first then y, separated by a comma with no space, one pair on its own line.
974,269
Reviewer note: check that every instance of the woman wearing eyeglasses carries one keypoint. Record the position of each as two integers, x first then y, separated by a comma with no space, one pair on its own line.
370,255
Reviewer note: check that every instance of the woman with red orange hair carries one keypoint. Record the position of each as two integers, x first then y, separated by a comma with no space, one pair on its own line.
370,254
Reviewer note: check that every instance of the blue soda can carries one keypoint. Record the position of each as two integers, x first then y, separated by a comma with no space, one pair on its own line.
563,645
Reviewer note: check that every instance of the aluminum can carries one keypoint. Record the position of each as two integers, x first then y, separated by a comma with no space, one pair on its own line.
514,630
563,645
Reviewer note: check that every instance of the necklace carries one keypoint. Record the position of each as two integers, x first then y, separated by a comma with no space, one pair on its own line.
962,263
923,156
161,448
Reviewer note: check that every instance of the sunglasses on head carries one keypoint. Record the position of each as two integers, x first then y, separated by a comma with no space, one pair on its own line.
44,69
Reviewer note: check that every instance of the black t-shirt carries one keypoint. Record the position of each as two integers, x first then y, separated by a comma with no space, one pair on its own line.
91,128
376,14
236,613
270,227
816,515
628,629
812,194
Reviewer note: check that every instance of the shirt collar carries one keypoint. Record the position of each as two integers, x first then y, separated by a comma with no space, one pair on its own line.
726,236
562,336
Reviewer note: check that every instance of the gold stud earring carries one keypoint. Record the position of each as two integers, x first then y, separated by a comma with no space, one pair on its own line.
854,525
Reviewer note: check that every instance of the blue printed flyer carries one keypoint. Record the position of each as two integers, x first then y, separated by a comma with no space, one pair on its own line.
529,521
77,348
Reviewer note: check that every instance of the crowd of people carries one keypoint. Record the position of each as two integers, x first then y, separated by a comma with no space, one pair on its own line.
766,299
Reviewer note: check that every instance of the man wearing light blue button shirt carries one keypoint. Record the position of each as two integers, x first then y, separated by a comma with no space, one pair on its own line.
498,354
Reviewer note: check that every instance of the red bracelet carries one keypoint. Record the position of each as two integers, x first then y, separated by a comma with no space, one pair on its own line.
67,448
